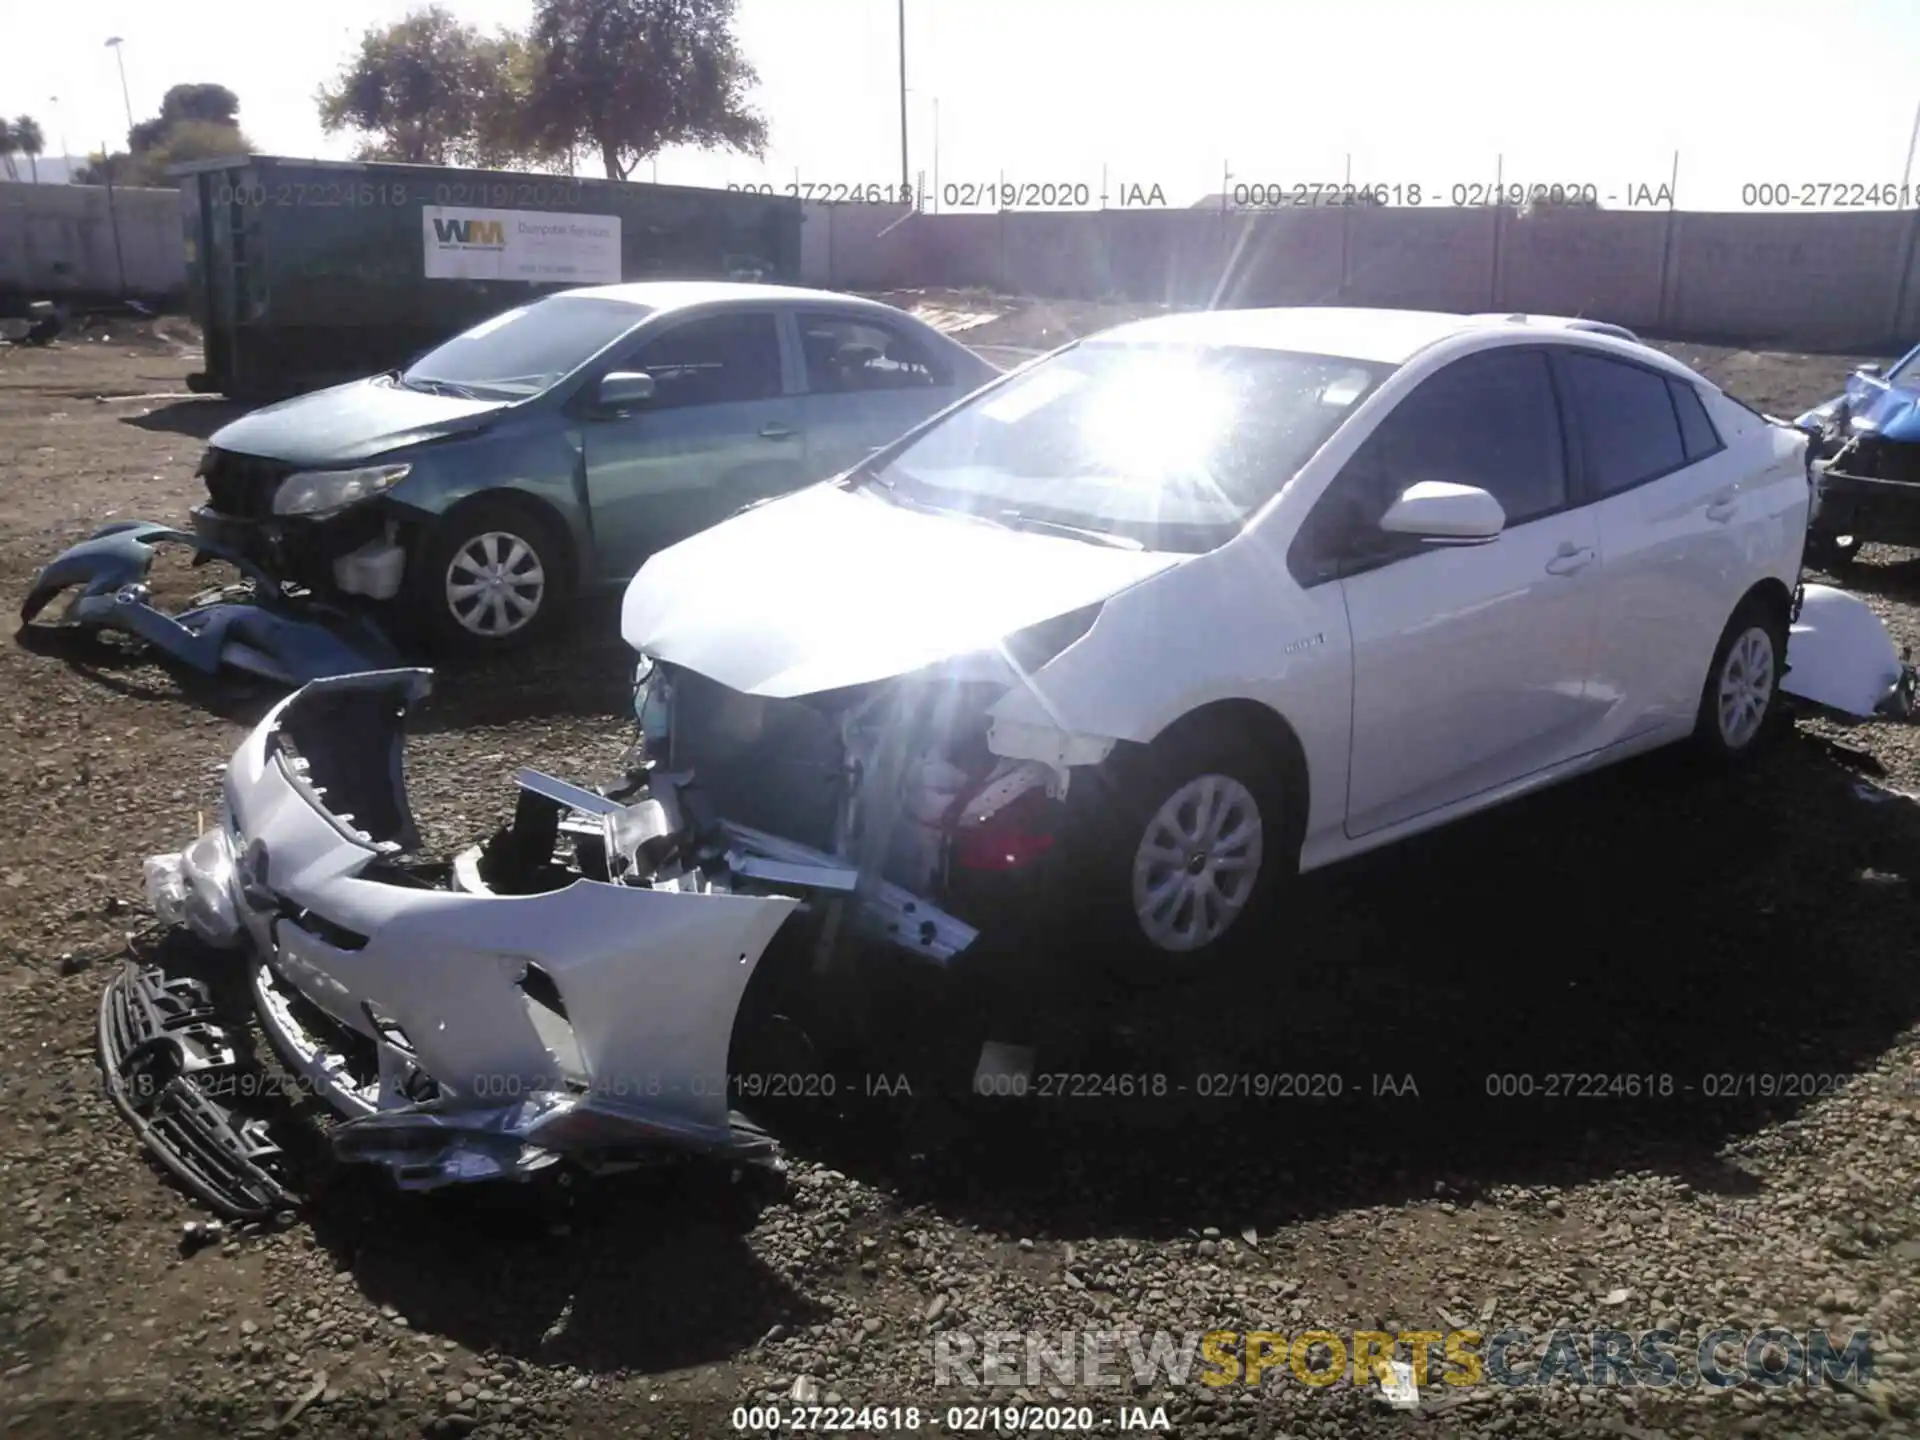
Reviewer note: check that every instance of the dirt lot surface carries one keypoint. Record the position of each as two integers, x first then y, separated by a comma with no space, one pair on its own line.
1751,939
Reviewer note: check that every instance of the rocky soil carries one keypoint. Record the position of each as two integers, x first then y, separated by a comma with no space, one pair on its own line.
1751,939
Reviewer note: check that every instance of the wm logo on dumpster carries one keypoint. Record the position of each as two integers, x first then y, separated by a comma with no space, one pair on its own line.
470,232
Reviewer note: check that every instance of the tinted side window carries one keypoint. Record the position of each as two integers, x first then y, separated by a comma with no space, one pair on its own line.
1488,420
845,355
712,361
1629,430
1696,428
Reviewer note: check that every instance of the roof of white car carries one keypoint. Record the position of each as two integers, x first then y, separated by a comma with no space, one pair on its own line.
1387,337
672,294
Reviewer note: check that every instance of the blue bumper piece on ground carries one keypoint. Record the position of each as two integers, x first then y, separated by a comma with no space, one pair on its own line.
279,637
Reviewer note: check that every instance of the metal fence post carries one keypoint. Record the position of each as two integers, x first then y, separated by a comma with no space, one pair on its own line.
113,219
1669,278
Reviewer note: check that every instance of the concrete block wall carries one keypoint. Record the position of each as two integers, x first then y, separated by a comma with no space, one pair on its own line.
1830,280
58,240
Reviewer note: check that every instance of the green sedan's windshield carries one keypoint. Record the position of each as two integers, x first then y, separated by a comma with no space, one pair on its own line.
1169,446
524,351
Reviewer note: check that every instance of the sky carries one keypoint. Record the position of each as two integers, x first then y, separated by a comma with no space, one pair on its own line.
1194,97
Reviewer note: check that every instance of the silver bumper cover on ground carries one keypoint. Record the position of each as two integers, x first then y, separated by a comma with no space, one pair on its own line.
457,1033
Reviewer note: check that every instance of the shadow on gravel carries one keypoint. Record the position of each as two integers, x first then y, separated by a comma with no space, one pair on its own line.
1465,1009
1894,577
124,666
648,1272
585,670
197,418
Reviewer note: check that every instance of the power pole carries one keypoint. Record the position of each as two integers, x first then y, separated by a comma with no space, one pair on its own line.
114,45
906,177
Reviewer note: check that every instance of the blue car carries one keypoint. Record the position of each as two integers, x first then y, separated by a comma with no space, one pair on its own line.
1866,457
551,449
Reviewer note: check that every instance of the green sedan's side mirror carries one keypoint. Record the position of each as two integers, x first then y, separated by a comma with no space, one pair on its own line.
624,388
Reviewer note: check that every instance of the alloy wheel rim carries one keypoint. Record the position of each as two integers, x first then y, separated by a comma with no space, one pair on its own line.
1197,862
1746,687
495,584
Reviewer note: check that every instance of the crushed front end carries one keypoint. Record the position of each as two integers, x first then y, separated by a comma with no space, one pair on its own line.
566,990
897,781
307,527
1864,451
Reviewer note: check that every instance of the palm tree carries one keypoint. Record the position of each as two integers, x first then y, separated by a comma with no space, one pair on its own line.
31,141
7,146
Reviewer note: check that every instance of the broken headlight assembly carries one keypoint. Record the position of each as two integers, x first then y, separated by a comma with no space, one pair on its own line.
195,888
318,493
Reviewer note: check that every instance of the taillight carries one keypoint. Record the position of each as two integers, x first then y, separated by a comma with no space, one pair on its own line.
1012,837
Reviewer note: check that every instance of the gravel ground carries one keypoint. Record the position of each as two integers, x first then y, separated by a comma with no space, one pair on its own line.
1646,922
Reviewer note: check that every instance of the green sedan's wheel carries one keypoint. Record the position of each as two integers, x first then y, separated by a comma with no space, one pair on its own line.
490,577
495,585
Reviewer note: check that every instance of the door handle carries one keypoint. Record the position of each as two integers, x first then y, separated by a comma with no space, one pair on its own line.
1722,506
1570,559
776,431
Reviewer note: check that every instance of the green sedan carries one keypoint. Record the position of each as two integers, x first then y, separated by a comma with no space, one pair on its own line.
551,449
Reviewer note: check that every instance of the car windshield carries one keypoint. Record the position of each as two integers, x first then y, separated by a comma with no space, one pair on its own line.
524,351
1167,446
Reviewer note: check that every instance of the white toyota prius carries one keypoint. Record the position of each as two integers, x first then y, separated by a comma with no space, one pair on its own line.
1211,599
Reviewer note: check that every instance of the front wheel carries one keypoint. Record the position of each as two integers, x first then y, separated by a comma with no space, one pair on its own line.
489,577
1740,703
1187,847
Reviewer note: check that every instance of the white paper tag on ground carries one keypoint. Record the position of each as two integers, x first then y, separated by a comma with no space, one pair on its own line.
1398,1388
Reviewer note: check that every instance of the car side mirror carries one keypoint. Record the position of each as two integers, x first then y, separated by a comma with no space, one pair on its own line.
1871,370
623,388
1444,514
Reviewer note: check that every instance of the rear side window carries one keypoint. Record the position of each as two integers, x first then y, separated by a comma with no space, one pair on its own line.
1629,426
712,361
848,355
1697,434
1488,420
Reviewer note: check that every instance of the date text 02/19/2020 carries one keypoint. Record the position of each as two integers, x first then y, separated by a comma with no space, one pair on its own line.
1267,195
1207,1085
953,1420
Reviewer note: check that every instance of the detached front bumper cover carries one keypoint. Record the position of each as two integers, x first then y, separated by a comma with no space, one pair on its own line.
280,637
566,991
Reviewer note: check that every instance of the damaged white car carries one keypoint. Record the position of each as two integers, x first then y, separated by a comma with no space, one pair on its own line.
1131,636
1209,600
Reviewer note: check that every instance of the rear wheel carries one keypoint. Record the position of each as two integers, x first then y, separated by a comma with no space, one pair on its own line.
489,577
1740,702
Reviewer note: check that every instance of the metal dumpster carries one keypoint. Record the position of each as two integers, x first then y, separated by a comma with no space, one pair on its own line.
302,273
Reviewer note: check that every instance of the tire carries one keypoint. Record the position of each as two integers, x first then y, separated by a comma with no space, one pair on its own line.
1740,708
1146,908
488,539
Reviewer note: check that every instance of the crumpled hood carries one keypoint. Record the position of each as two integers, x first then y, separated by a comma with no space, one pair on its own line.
829,587
349,422
1891,410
